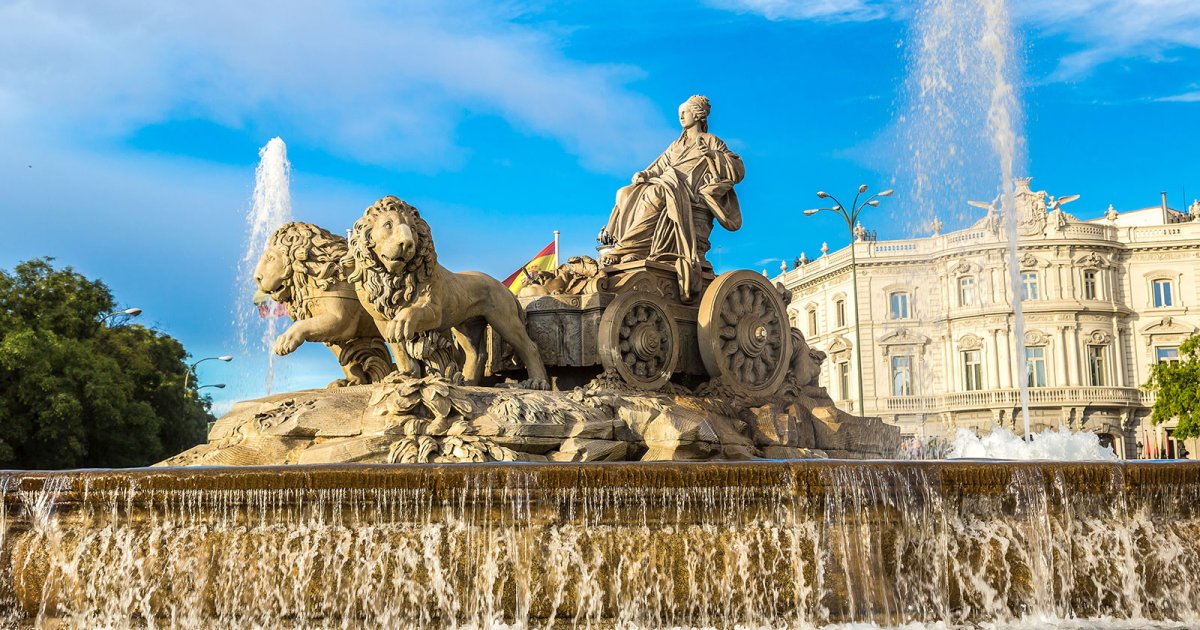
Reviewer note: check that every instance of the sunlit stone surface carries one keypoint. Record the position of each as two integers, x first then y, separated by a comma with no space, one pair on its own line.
640,545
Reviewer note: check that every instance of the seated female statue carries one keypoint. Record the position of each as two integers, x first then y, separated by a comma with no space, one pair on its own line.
666,214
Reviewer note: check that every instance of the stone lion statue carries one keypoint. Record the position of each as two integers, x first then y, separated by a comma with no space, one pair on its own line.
300,269
393,266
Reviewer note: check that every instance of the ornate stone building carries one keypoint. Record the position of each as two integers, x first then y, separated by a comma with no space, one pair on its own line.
1104,299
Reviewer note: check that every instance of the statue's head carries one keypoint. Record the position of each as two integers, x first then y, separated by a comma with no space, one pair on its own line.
391,231
297,252
694,111
391,253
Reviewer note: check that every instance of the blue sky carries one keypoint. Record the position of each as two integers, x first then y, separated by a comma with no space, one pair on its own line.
129,135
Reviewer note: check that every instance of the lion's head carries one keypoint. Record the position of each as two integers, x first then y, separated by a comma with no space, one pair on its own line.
296,255
391,254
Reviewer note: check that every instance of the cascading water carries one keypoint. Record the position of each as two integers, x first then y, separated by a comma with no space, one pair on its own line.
271,207
962,127
720,545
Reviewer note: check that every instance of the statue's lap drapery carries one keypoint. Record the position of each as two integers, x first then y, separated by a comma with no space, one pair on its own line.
667,213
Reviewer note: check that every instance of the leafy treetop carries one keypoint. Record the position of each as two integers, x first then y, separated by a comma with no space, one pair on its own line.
1177,384
77,393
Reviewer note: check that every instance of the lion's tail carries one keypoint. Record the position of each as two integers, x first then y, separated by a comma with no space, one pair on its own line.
520,309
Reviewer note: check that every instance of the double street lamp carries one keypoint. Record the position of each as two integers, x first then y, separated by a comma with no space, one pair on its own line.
192,370
850,215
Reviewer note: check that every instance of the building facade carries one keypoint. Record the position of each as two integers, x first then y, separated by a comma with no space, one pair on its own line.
1103,300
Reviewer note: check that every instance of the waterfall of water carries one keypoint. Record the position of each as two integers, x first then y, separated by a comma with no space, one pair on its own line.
962,128
271,207
762,545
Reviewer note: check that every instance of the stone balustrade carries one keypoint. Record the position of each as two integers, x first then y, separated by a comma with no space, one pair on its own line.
1009,398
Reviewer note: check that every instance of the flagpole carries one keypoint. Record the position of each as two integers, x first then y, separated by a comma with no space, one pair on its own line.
556,249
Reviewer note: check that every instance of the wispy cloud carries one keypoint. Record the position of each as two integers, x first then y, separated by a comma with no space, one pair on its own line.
1108,30
364,80
1104,30
1186,97
831,10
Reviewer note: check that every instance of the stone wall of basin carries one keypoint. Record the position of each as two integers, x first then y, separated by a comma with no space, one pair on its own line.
643,544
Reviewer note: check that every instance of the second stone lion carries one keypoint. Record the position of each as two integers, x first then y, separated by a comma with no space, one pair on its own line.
394,268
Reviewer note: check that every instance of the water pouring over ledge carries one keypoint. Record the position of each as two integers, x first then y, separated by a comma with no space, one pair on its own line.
797,544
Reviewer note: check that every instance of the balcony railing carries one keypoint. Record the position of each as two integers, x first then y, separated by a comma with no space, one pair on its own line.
1011,398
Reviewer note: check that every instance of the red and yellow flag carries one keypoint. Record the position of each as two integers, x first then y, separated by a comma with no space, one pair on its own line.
546,260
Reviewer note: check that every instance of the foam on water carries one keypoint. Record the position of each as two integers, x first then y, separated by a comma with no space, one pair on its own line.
1057,445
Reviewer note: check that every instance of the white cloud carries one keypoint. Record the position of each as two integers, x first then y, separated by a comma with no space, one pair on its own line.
1186,97
362,79
1104,30
832,10
1108,30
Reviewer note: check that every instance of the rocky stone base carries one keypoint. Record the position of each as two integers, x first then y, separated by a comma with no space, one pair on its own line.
432,420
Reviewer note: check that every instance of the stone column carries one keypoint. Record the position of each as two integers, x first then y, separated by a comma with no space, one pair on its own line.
1118,356
993,351
1071,333
1060,364
1006,364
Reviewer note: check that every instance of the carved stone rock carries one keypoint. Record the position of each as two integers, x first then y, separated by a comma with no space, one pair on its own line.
410,420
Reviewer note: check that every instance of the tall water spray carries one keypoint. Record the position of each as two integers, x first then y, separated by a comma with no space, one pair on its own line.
962,128
271,208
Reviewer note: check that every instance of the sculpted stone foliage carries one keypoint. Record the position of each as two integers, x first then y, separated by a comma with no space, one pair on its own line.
395,271
300,269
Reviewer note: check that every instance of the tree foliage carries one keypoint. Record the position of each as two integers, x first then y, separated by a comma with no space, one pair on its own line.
77,393
1177,384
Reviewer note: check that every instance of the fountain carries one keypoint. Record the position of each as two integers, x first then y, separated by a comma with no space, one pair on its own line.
963,129
642,444
270,208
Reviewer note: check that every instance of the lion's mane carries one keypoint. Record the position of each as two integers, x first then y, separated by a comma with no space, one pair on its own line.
314,259
390,292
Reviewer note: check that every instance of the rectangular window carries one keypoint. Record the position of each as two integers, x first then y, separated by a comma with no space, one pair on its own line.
966,291
1166,354
1029,285
839,309
902,376
972,371
899,305
843,372
1096,365
1035,362
1089,284
812,323
1162,294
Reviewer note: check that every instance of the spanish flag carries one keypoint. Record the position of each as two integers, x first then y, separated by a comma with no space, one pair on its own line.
546,260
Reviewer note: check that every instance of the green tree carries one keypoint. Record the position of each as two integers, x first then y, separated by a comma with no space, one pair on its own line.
1177,384
76,393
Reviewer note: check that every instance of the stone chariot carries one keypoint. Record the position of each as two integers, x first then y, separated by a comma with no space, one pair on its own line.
632,322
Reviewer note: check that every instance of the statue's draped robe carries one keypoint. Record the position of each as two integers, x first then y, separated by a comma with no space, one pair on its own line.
669,217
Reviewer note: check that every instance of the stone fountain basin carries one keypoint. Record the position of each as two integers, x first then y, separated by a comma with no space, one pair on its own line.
711,543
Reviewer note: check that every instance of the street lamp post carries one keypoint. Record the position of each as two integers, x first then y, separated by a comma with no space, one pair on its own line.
851,218
192,370
217,385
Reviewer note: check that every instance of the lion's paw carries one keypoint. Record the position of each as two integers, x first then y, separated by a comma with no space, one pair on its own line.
535,383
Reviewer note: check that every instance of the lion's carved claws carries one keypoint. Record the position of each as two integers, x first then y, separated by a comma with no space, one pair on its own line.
288,342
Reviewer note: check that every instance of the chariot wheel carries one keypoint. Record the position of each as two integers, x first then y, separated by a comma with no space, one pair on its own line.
639,340
744,333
